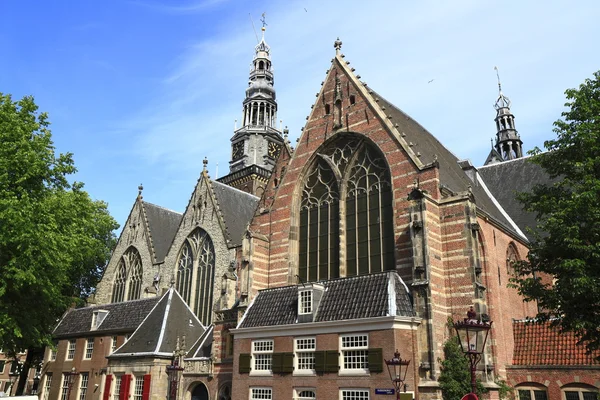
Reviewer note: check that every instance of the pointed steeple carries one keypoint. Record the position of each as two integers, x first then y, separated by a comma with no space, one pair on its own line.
508,142
256,145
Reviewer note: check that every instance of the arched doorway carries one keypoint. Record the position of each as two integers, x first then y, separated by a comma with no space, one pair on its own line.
225,392
200,392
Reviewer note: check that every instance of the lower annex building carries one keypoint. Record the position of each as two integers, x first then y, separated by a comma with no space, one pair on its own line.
299,272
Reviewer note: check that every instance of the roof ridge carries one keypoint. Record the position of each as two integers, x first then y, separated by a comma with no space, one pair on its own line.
161,207
232,188
507,161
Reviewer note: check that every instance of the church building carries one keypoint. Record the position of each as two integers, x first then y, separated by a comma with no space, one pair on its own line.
297,274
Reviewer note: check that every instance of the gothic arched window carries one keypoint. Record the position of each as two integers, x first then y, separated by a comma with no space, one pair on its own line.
134,261
120,283
195,274
348,182
512,256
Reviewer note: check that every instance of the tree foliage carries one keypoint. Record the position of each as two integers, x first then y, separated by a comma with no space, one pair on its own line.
455,376
562,270
54,239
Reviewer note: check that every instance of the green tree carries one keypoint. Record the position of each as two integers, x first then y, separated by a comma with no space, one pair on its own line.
562,270
455,376
54,239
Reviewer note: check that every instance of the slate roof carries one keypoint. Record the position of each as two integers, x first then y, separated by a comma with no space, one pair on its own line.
121,317
364,296
237,208
157,335
163,224
202,348
506,179
539,344
452,175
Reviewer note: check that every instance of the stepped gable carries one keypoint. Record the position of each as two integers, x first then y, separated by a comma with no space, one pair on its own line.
537,344
452,175
364,296
157,335
122,317
237,208
162,225
506,179
202,348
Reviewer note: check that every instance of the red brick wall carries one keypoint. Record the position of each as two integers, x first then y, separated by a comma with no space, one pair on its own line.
554,379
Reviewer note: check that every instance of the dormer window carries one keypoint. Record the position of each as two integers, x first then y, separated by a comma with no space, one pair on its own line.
305,301
97,318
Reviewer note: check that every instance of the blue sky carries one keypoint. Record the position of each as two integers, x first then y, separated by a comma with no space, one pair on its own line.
141,91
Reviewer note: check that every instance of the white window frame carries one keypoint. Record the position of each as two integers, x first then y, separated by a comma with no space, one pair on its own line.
359,347
302,348
64,387
355,394
47,386
531,390
89,349
299,391
116,387
71,347
84,380
113,344
305,301
580,390
53,352
261,393
262,349
138,389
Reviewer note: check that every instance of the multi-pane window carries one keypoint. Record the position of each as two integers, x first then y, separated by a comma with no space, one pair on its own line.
580,394
89,348
65,386
71,349
354,394
53,351
348,181
113,344
355,353
261,393
305,394
262,356
532,394
47,385
304,359
128,278
2,364
306,301
116,387
83,385
195,274
139,388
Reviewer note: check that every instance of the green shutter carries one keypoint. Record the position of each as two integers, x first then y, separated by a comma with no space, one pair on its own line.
287,364
375,360
244,363
331,361
277,363
406,396
320,361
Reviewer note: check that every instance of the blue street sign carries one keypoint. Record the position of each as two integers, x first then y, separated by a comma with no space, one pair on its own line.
385,391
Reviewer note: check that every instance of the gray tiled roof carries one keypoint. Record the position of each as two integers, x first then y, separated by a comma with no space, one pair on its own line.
451,174
364,296
163,225
237,208
121,317
202,348
158,333
506,179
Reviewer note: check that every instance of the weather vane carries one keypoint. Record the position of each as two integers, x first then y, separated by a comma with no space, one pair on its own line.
498,75
264,20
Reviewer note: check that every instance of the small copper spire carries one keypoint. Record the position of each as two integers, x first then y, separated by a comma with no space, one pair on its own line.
140,189
337,45
205,163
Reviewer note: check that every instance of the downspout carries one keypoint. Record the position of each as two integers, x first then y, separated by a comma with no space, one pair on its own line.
428,307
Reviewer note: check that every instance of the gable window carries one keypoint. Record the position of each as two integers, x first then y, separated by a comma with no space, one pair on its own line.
305,394
306,301
262,393
354,394
97,318
128,279
195,274
71,349
354,353
83,385
89,348
47,385
304,360
348,183
262,357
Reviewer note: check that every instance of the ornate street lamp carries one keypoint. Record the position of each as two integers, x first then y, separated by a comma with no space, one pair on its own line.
175,370
472,335
397,375
70,377
36,382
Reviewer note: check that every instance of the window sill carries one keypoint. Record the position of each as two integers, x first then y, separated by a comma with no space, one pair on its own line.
354,372
304,373
260,373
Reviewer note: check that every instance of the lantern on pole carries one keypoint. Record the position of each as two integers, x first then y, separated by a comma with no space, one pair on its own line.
397,368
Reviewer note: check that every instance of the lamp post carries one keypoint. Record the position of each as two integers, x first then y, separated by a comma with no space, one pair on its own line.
472,335
70,377
397,376
36,382
175,370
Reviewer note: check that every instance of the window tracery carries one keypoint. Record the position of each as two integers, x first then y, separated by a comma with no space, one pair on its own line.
349,182
128,279
120,283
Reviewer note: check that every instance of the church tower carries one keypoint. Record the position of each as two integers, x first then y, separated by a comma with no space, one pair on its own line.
508,144
256,145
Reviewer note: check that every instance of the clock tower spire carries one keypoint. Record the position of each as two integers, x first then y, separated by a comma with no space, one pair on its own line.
256,145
